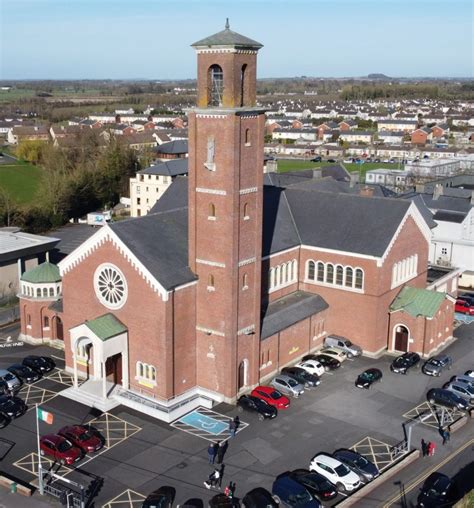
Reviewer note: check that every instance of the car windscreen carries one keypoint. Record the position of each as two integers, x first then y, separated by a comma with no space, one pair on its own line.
342,470
292,382
64,446
87,434
275,395
361,461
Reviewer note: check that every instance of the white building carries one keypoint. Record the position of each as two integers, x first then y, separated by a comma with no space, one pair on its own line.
391,124
388,177
356,136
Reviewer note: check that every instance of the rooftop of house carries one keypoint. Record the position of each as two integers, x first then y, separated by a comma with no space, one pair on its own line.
227,37
15,244
418,302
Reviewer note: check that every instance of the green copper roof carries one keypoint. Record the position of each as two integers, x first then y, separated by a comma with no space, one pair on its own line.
227,37
106,326
45,272
418,302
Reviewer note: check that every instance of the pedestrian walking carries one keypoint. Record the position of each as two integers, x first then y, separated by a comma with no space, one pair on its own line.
221,451
446,436
424,448
221,475
228,490
212,452
232,428
213,479
431,448
237,422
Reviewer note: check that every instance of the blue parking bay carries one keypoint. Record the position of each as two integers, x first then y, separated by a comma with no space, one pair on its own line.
206,424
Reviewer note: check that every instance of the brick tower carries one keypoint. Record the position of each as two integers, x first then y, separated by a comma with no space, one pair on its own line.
226,133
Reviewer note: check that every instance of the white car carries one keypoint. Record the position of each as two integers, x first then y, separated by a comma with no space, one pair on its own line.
469,373
312,366
335,352
336,472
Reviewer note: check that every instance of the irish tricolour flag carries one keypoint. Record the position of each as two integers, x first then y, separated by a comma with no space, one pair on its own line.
44,415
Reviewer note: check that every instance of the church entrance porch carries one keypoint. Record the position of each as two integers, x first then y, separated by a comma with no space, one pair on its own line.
401,338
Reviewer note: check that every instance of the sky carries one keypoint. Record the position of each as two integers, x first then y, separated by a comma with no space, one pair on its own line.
150,39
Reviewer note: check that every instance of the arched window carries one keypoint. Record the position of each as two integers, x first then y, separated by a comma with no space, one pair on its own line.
212,211
311,270
339,275
247,137
38,292
245,281
51,291
246,211
271,278
243,85
289,272
210,281
349,276
320,272
46,321
153,374
45,292
278,275
330,273
359,278
283,274
140,370
294,266
215,85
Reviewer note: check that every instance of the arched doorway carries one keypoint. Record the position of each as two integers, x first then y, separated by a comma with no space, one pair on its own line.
400,339
243,374
59,328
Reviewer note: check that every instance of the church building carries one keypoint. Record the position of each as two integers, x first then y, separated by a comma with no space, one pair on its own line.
229,278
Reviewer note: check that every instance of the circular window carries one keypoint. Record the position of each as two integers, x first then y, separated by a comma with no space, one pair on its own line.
110,286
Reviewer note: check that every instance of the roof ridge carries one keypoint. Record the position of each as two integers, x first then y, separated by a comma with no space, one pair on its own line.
292,218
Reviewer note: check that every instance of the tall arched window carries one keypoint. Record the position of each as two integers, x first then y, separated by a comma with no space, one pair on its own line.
245,281
246,211
210,281
51,291
243,85
283,278
271,278
320,272
359,278
349,276
215,85
294,269
212,211
247,137
311,270
46,321
278,275
330,273
339,275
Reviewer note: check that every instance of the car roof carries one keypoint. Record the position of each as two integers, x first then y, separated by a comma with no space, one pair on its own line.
284,377
266,389
327,459
3,372
54,438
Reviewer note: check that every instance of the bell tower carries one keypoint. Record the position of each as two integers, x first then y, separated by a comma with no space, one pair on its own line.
226,135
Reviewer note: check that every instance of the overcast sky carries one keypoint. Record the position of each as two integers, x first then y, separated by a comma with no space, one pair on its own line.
89,39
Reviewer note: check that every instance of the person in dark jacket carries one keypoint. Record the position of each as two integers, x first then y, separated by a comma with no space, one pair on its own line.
212,452
221,451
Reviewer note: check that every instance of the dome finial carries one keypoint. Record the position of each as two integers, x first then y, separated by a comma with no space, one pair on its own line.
227,24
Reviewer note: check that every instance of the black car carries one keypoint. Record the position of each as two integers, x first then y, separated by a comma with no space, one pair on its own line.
332,161
194,502
327,362
467,298
4,420
223,501
316,484
4,390
446,398
358,463
160,498
368,377
39,363
26,374
436,364
404,362
437,491
302,376
258,498
318,158
254,404
13,407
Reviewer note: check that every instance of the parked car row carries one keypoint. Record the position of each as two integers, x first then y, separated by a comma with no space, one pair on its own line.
71,443
457,393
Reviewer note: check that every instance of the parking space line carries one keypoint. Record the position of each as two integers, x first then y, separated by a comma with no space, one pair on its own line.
29,463
127,499
424,409
378,452
33,395
60,376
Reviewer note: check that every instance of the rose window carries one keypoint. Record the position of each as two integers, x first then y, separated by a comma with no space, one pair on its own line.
110,286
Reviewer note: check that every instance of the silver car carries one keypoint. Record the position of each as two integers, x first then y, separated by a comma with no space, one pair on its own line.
13,383
287,385
346,345
465,391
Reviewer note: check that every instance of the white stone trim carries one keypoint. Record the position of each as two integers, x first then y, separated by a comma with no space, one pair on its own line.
247,261
184,286
249,116
415,214
209,331
227,50
98,239
246,330
103,300
210,263
211,191
247,191
209,115
343,253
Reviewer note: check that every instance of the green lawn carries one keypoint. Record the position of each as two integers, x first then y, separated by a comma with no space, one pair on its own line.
15,94
20,180
285,165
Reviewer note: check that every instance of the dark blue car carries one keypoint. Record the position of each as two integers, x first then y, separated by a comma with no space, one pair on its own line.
291,493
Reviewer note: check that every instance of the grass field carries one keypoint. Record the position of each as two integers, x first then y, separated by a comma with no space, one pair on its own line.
285,165
21,181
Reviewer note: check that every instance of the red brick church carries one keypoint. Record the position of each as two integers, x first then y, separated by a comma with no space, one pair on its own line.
231,276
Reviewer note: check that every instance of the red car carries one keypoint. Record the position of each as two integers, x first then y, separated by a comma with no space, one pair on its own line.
60,449
82,437
464,306
271,396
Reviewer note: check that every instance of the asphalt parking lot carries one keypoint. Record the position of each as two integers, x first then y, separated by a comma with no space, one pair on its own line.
142,454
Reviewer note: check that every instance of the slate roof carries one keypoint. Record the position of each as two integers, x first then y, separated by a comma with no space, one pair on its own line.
448,216
160,242
290,309
172,167
43,273
228,37
418,302
179,146
174,198
106,327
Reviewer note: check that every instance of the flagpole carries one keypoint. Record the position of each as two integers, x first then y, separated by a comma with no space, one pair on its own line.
40,471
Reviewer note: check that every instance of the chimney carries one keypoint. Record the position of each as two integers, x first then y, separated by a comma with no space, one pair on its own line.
419,187
437,191
366,191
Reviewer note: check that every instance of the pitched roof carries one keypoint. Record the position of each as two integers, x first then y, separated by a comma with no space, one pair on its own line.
290,309
174,198
106,327
43,273
448,216
418,302
178,146
172,167
228,37
160,242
